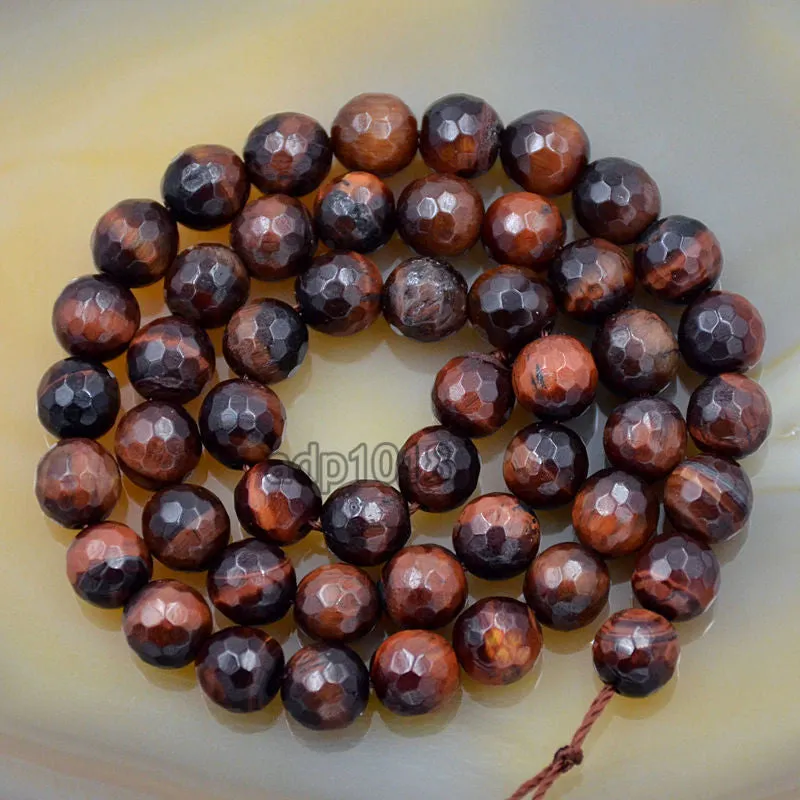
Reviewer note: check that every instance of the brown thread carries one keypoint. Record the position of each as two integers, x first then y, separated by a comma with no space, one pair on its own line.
315,525
413,508
501,356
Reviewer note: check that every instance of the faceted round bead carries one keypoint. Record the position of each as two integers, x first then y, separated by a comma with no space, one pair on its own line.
78,398
545,464
425,299
340,293
355,211
166,624
437,469
567,586
645,436
265,340
415,672
676,576
495,537
636,652
365,522
325,687
509,307
677,258
288,153
205,186
592,278
206,284
636,353
276,502
185,526
157,444
240,668
375,132
337,603
497,640
555,377
616,200
241,422
423,586
274,236
544,151
77,483
721,332
170,359
440,215
107,564
460,135
95,318
709,498
134,242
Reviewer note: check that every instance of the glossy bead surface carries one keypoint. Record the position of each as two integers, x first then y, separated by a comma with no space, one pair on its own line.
107,564
205,186
365,522
166,624
241,422
134,242
185,527
495,537
460,135
636,652
566,586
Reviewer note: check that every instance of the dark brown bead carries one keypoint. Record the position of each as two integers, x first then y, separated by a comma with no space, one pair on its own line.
77,483
241,422
615,199
186,527
636,353
555,377
107,564
170,359
365,522
676,576
375,132
721,332
615,513
472,395
274,236
157,444
440,215
206,284
265,340
340,293
240,668
544,151
636,652
205,186
437,469
592,278
325,687
509,307
677,258
337,603
425,299
423,586
645,436
567,586
134,242
495,537
276,502
497,640
545,464
289,153
415,672
460,135
709,498
166,624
